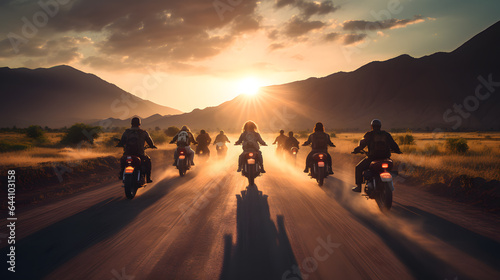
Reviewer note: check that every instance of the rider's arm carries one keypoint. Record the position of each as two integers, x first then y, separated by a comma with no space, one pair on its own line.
174,139
227,139
394,146
330,141
259,139
275,140
240,140
309,140
149,140
123,140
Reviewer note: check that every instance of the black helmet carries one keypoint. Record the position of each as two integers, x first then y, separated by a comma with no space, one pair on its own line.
282,131
136,121
376,123
203,131
290,133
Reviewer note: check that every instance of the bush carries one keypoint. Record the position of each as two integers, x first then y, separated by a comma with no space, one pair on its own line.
35,132
172,131
6,146
333,135
457,145
81,132
408,139
158,137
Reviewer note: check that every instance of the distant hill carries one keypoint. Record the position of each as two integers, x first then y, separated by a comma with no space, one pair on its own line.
404,92
61,95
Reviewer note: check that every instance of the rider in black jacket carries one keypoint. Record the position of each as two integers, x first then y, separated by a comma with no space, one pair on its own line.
132,141
379,143
320,142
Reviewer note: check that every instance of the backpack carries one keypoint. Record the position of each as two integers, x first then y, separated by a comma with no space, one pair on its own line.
183,138
379,147
132,143
250,141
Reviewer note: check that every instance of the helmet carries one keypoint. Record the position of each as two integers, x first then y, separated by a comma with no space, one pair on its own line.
290,133
184,128
376,123
222,132
203,131
136,121
282,131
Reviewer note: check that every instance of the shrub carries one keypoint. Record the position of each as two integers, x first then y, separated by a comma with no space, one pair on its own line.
172,131
407,139
6,146
333,135
457,145
35,132
158,137
81,132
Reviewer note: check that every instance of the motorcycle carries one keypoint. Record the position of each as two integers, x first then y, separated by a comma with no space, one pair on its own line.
251,167
378,182
183,162
293,154
221,149
319,168
134,175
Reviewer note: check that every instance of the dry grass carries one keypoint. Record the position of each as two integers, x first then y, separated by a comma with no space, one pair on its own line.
429,161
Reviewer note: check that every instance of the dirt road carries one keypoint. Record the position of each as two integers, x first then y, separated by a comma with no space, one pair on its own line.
207,225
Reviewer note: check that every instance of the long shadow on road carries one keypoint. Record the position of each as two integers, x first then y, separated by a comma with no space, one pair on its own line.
420,262
42,252
263,250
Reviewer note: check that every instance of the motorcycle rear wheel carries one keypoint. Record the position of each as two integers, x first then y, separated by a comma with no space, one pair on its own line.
130,186
384,197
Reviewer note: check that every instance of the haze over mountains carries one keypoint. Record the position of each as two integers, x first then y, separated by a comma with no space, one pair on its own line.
450,91
62,95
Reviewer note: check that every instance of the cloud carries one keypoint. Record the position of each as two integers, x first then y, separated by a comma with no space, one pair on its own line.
296,26
333,36
169,31
350,39
276,46
353,25
309,8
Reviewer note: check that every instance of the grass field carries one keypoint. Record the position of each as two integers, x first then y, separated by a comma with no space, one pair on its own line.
427,159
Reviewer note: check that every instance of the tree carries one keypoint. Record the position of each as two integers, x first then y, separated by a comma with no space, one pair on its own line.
81,132
35,132
172,131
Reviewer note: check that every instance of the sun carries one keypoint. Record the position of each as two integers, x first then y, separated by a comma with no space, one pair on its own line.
249,86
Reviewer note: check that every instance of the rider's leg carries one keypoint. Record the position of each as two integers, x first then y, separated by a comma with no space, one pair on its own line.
122,167
308,162
147,167
191,154
329,161
176,157
360,167
261,160
240,162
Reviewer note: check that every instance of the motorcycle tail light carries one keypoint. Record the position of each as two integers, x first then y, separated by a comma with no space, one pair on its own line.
321,156
129,170
294,152
321,164
385,165
386,175
182,157
250,154
251,161
181,152
129,161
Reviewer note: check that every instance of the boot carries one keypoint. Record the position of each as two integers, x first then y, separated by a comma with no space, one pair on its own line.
239,169
357,188
148,178
306,170
330,171
262,169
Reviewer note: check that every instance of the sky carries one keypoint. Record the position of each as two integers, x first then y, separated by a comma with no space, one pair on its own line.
197,53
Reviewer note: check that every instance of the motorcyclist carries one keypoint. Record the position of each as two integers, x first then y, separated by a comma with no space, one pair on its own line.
203,141
281,140
379,143
320,142
250,138
221,138
184,142
132,141
291,142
